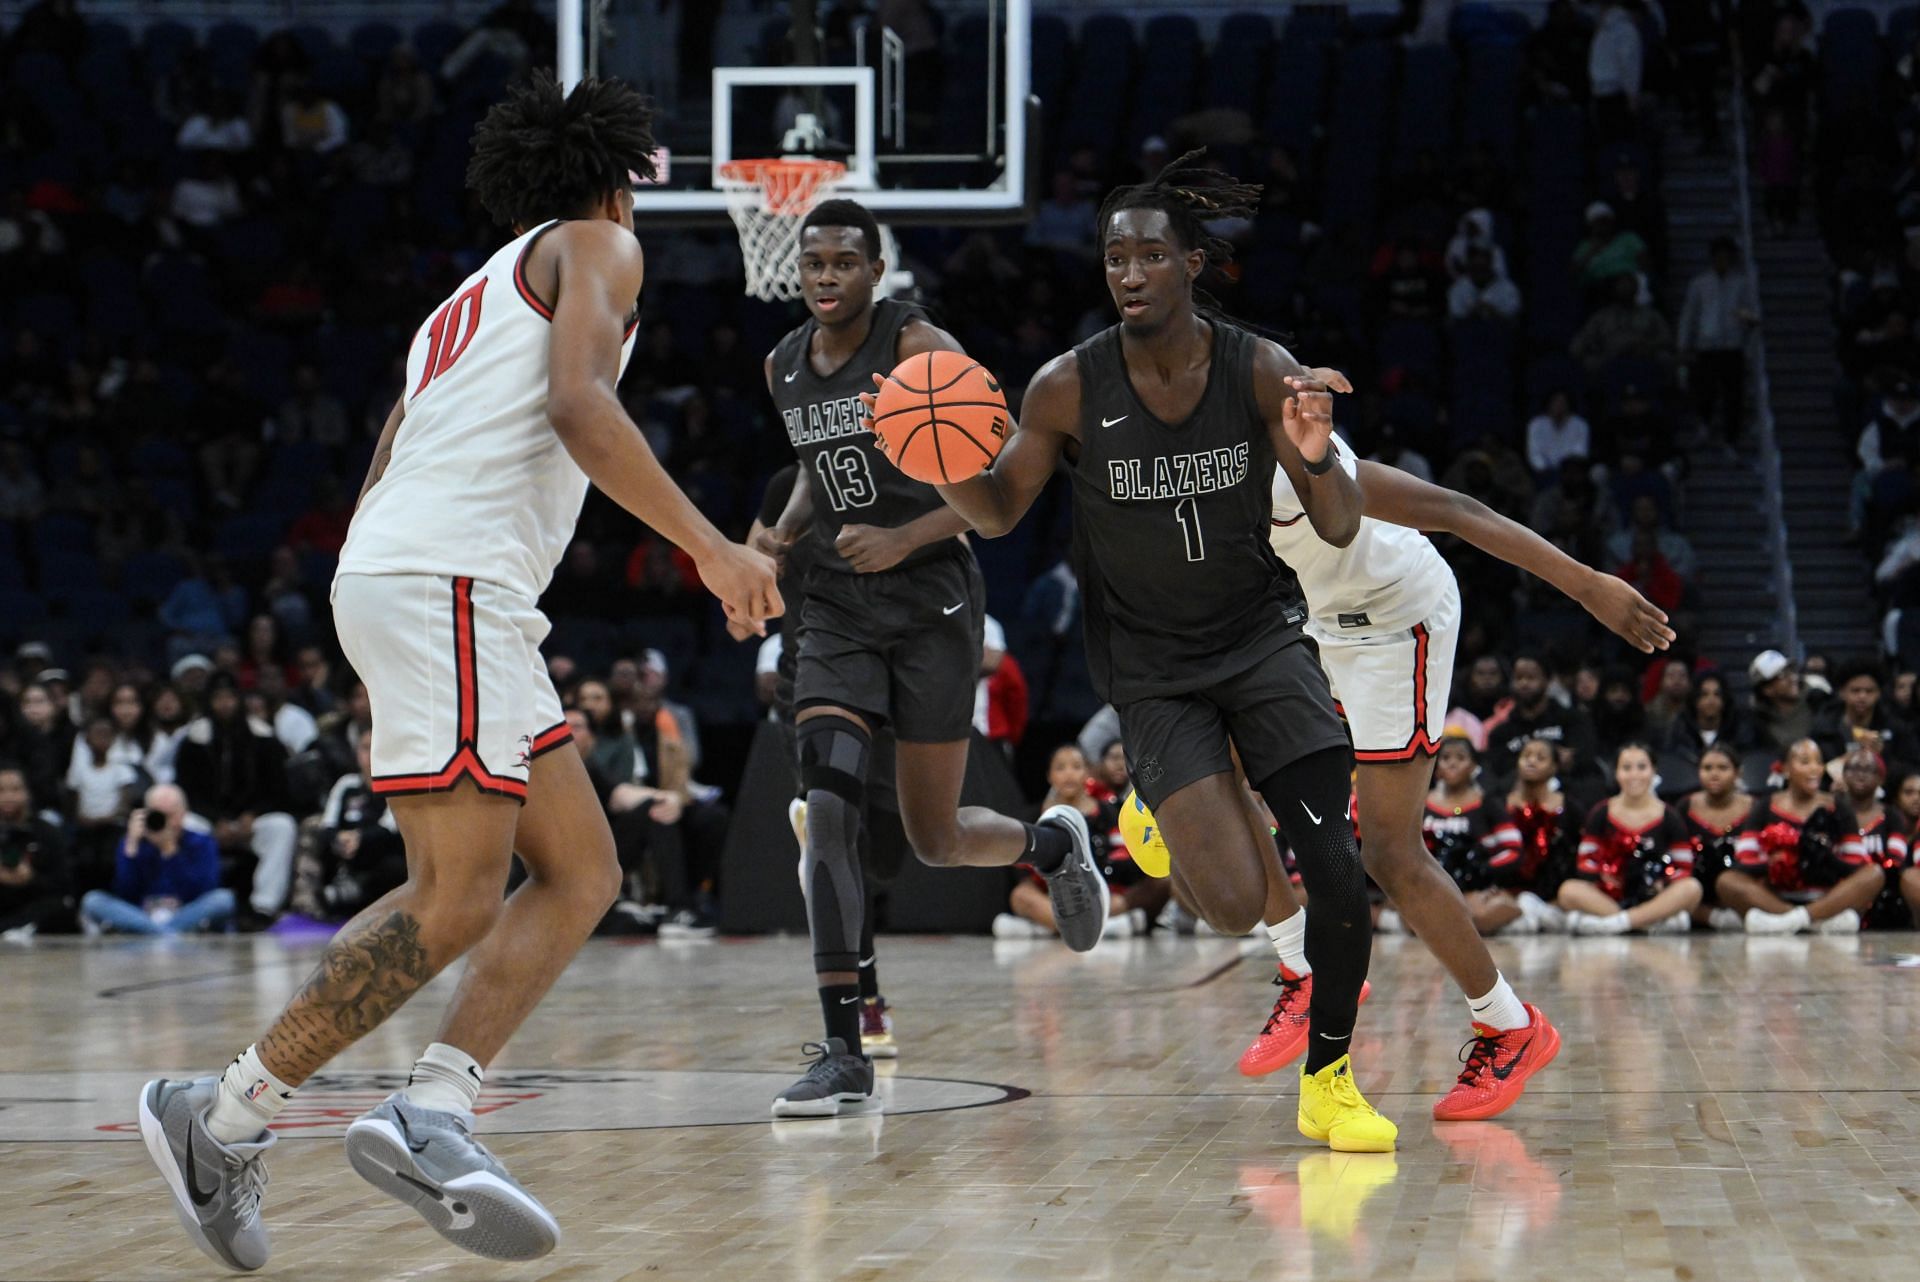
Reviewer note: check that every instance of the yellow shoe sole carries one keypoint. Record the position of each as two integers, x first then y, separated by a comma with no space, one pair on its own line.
1350,1143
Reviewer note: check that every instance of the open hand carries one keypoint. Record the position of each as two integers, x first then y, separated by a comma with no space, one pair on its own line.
1627,614
1308,415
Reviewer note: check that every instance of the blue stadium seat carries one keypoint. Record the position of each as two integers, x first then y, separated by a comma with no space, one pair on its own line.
1311,25
20,611
251,537
1475,24
111,36
1556,143
1413,346
340,74
1238,66
1051,46
315,39
162,45
1492,108
1425,119
263,360
1103,77
373,41
95,613
1356,138
230,49
1481,375
62,534
64,573
175,494
1296,94
1166,87
149,576
1902,25
433,41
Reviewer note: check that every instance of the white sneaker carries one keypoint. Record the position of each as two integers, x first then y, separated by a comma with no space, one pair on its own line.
1681,923
1176,919
1127,925
1593,924
1390,923
1841,923
1521,925
1011,926
20,934
1726,919
1549,920
1791,922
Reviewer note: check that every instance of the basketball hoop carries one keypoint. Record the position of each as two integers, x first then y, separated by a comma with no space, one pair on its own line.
767,199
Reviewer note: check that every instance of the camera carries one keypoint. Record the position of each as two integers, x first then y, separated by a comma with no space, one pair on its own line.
155,821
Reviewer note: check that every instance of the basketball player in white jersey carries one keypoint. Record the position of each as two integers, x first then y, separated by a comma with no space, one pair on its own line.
509,410
1385,613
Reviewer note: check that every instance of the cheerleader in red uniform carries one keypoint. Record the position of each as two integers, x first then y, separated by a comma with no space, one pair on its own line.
1470,836
1635,867
1883,832
1817,873
1549,834
1717,818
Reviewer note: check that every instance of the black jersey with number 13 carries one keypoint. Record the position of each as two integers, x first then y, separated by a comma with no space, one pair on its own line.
853,483
1170,527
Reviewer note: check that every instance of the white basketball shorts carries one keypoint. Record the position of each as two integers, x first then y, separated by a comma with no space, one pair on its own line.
1392,687
455,677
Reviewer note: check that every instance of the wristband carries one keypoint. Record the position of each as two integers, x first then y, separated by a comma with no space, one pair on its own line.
1325,464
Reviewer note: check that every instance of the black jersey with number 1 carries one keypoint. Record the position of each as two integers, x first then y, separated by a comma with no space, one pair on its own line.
1170,524
853,483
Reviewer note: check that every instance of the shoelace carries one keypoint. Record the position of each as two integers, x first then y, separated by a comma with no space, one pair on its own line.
252,1187
822,1061
1288,988
1478,1056
1347,1094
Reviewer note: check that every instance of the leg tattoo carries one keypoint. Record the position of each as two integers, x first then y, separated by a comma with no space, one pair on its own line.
369,970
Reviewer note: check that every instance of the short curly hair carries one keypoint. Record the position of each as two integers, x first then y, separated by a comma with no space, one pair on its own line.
543,154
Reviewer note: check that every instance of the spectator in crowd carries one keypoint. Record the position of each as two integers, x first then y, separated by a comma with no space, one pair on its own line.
1000,697
1474,231
1672,681
266,648
166,878
102,789
169,714
403,93
323,527
1555,435
22,495
1557,54
1719,311
1064,221
1818,875
1533,715
208,196
1625,326
1392,450
1893,433
235,773
310,412
1609,250
356,854
1136,897
1407,280
1786,78
42,739
1573,515
1110,779
514,30
204,608
293,725
1858,717
1777,166
1470,837
1643,524
1615,63
217,124
1635,866
1718,816
1709,720
1616,713
309,120
34,886
1479,293
1781,714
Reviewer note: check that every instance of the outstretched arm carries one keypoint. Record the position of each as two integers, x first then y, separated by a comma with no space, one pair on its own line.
1298,409
598,269
1395,497
994,501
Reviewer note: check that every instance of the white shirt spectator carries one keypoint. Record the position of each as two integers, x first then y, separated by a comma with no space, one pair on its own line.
295,728
206,202
1870,448
1476,232
1710,316
995,642
1464,298
98,787
1550,443
337,800
1615,59
318,126
204,133
152,758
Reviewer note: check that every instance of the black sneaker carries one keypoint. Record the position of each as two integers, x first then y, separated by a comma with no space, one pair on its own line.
626,918
1078,891
835,1077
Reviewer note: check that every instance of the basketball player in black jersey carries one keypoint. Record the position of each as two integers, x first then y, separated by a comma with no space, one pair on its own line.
890,635
1171,423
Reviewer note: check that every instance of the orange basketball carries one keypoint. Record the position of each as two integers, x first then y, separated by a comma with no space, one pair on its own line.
940,417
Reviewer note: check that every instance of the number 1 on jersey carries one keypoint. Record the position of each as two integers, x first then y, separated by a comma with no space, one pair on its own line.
1187,512
452,329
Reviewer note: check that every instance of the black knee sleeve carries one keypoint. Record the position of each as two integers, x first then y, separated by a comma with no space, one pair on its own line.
1309,798
833,770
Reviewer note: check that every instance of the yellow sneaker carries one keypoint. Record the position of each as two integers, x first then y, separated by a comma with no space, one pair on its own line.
1332,1109
1334,1190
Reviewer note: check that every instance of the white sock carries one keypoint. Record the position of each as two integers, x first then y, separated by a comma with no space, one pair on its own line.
445,1079
1499,1008
1290,942
248,1100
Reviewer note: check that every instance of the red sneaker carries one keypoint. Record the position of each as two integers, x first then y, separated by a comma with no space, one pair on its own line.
1498,1066
1284,1039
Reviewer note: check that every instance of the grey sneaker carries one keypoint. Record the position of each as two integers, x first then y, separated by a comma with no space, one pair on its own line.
430,1161
835,1077
1078,891
216,1187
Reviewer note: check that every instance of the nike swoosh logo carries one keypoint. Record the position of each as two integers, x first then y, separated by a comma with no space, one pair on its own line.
418,1146
789,378
1309,809
848,1001
201,1197
952,608
1504,1072
1109,422
474,1073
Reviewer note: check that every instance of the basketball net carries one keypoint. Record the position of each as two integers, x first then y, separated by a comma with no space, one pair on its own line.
767,200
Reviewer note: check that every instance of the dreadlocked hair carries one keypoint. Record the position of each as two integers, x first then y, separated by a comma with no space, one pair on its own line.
1191,196
544,154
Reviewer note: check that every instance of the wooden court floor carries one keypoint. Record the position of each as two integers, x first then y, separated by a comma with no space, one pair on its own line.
1723,1107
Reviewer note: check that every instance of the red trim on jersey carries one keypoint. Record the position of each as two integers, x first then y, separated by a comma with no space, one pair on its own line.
520,279
1421,743
550,738
1292,520
465,763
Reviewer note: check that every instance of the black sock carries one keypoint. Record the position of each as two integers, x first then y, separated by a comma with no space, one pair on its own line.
840,1004
1048,846
869,961
1322,1049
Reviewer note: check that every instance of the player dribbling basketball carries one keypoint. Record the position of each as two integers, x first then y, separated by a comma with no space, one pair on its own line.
894,608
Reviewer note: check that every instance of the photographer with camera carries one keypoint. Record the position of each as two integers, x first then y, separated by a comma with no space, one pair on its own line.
33,864
355,854
166,877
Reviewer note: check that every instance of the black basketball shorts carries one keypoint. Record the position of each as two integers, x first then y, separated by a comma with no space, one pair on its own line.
901,645
1276,712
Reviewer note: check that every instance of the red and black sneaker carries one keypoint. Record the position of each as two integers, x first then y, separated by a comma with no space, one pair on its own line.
1498,1065
1284,1038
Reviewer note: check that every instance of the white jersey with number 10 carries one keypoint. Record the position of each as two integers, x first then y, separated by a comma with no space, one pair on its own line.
479,485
